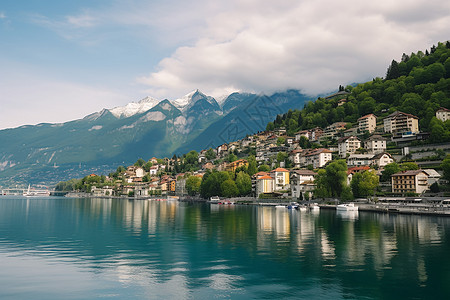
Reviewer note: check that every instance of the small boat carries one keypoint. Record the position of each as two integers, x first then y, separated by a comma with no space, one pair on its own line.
314,206
293,205
280,206
214,200
302,208
347,207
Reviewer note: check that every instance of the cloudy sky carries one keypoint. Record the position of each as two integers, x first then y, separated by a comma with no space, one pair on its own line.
61,60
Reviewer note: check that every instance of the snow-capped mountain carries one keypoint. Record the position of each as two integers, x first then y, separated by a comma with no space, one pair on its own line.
188,101
134,108
183,104
101,141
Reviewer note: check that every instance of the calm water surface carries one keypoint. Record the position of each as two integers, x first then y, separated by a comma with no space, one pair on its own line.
60,248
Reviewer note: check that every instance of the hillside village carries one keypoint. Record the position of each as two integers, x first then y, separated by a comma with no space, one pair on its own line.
385,137
287,166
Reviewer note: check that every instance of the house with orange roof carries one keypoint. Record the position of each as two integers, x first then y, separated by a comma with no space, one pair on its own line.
264,185
232,166
281,177
351,171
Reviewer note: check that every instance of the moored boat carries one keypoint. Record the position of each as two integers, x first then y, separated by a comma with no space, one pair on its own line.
347,207
214,200
314,206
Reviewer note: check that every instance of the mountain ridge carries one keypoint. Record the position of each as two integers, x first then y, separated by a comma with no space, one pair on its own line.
102,140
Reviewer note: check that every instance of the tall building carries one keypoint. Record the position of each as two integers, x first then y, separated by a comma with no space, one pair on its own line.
367,123
415,181
400,122
348,145
375,144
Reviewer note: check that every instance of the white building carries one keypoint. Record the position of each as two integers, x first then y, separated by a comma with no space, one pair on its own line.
348,145
443,114
367,123
375,144
317,158
399,122
301,181
415,181
380,160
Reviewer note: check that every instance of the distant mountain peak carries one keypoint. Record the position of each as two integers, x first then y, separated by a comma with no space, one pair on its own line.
184,101
133,108
189,100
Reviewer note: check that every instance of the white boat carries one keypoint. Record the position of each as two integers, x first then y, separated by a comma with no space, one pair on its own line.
36,193
302,208
293,205
314,206
214,200
280,206
347,207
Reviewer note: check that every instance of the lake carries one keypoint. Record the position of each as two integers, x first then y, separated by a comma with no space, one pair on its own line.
63,248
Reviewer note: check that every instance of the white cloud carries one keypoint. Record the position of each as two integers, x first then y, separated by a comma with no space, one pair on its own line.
2,15
312,45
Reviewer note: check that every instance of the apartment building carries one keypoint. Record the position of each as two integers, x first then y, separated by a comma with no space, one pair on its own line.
400,122
348,145
367,123
415,181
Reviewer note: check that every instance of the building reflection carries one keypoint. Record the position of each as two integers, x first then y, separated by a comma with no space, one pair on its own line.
146,241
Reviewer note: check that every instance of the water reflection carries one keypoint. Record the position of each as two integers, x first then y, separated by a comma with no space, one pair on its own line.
168,249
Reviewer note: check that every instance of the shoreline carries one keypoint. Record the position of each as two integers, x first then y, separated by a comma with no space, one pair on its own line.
423,209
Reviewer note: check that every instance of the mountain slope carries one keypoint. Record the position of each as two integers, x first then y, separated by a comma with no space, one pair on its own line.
251,115
48,153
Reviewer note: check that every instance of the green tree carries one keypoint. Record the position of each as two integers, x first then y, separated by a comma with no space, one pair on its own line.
346,194
336,174
322,189
393,71
139,163
210,154
445,165
252,165
193,185
270,126
263,168
211,183
304,142
231,157
281,141
192,157
229,188
409,166
364,184
244,183
147,166
389,170
281,156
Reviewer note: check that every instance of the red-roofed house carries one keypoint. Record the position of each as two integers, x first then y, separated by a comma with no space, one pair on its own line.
281,177
264,185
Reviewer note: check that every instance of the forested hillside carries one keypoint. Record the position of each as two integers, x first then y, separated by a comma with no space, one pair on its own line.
419,84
